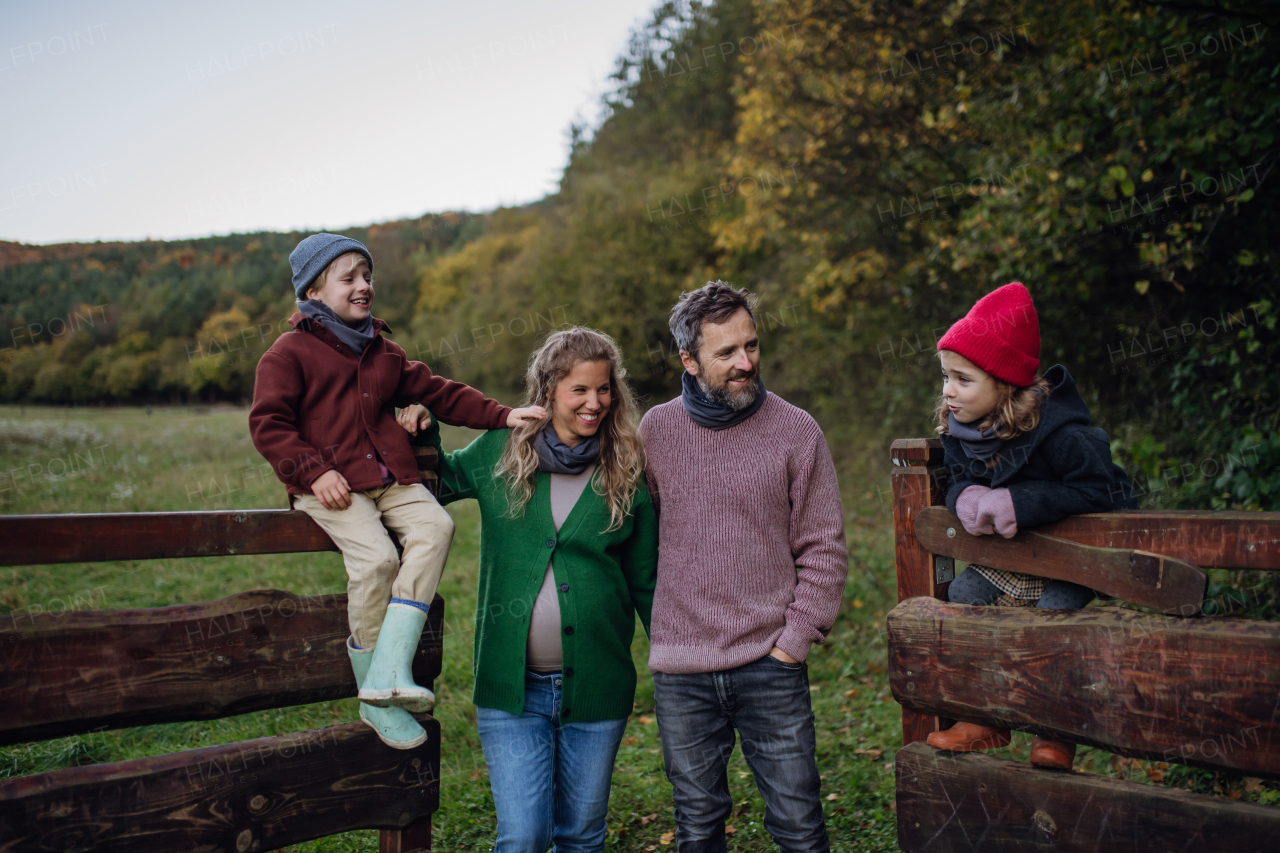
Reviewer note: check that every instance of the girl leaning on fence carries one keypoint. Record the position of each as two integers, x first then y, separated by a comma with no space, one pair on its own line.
1020,453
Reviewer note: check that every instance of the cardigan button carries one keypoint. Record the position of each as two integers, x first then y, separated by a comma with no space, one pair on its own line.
568,629
564,712
564,587
551,543
568,673
368,456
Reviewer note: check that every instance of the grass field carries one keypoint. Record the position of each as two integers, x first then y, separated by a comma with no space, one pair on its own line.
192,458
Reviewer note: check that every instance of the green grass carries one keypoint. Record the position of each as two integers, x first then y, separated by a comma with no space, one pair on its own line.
193,458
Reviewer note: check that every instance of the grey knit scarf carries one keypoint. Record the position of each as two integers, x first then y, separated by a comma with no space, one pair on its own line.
704,411
556,457
978,444
356,337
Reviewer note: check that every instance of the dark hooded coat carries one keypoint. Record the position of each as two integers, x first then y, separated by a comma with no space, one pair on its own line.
1062,467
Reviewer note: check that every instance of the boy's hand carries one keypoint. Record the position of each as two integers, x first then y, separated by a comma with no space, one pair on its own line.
527,415
414,418
333,490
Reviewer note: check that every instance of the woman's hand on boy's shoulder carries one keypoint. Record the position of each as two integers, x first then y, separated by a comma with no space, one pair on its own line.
527,415
414,418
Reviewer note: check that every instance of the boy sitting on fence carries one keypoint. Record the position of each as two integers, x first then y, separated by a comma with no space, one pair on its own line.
324,417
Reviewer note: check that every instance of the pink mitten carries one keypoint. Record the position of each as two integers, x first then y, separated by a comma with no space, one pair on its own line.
995,509
967,508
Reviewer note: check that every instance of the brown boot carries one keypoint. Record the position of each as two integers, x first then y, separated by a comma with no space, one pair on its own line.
969,737
1054,754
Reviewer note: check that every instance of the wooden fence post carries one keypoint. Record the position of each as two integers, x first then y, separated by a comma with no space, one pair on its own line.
414,838
919,481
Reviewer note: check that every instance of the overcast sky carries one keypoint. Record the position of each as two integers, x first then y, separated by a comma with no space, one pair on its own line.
129,120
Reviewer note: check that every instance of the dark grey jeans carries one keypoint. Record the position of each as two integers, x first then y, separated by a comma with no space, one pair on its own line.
767,703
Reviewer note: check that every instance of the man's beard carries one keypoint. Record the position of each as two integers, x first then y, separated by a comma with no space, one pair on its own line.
729,398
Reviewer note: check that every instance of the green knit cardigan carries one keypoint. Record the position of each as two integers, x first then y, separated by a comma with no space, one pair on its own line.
603,580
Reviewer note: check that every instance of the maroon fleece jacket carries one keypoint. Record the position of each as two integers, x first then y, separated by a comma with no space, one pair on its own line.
318,406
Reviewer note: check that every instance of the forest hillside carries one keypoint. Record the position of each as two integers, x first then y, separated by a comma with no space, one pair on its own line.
869,168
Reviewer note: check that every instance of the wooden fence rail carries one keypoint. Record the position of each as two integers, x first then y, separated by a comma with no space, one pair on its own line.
980,804
258,794
1200,691
80,672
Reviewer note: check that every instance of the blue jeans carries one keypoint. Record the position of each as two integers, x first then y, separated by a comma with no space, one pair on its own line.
550,779
767,703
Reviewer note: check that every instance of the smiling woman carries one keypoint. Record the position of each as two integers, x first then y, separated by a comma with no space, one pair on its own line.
555,679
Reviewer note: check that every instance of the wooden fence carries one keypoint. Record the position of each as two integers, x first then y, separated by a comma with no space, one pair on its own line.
88,671
1171,685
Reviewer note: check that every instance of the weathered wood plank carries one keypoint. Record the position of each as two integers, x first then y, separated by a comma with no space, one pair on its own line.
29,540
254,795
918,482
1239,540
85,671
1151,580
1204,692
978,803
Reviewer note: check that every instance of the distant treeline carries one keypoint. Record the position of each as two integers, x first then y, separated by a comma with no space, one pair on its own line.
869,169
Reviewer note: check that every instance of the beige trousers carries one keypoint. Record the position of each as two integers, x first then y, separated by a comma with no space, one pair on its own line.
375,573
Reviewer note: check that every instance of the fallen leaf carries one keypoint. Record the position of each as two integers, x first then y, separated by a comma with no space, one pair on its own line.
650,848
851,692
743,775
889,766
833,796
1252,785
730,829
813,687
666,838
648,819
1234,793
645,720
631,741
475,775
857,602
874,753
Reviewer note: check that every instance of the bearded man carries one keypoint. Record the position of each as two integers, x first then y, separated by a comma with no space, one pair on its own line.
752,563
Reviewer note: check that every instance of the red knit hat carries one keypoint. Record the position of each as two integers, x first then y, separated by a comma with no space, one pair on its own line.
1000,334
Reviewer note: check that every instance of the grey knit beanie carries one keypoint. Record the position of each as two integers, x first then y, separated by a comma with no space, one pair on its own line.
315,253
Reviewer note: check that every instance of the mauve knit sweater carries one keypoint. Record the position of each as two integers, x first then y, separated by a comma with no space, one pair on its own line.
751,547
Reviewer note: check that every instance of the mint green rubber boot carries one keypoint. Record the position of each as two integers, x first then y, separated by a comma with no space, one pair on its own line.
394,726
390,679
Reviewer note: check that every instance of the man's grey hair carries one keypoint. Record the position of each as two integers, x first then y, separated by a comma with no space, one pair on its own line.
715,302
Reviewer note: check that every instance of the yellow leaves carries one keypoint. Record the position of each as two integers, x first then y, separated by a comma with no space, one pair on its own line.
224,324
1142,287
666,838
476,264
1155,254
